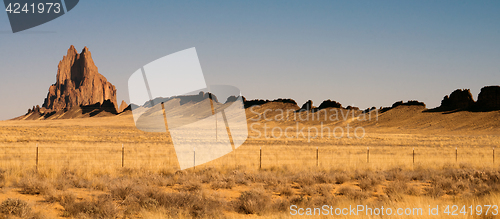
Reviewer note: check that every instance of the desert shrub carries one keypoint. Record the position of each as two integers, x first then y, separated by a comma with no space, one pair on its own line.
254,201
397,174
121,191
396,190
34,186
304,179
196,204
413,190
240,178
149,203
183,177
441,185
366,184
209,175
297,199
324,190
308,190
169,180
434,192
280,205
70,179
53,196
481,190
102,207
100,183
422,174
322,177
15,207
192,186
493,177
270,179
284,190
340,177
367,180
224,183
352,193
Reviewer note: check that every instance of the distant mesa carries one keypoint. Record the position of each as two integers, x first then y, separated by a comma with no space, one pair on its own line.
329,104
352,108
401,103
458,99
462,100
258,102
307,106
81,91
183,99
488,99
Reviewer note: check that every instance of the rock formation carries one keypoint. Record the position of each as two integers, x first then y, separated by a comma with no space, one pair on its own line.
307,106
123,106
488,99
458,99
258,102
78,83
329,104
401,103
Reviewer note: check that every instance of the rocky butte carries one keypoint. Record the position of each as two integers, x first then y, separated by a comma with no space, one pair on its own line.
78,83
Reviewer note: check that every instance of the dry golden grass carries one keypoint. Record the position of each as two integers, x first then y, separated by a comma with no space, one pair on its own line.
80,174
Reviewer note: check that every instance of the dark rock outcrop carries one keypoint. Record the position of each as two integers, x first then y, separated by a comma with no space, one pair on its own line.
462,100
352,108
94,109
458,99
329,104
401,103
367,110
257,102
307,106
78,83
488,99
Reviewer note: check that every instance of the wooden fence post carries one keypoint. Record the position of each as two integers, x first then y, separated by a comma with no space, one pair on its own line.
493,155
194,158
123,156
413,155
36,162
317,156
260,158
368,154
456,154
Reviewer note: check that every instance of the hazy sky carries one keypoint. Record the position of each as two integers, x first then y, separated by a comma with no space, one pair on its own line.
362,53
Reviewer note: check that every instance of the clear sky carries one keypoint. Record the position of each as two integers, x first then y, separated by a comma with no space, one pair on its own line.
362,53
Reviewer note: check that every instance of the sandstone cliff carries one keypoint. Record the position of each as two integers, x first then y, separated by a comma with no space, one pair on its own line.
78,83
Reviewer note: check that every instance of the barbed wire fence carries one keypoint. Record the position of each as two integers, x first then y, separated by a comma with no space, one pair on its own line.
248,156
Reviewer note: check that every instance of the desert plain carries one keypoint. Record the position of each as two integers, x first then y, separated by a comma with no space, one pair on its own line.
104,167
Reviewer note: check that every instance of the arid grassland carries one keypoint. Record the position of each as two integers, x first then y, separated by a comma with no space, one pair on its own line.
103,167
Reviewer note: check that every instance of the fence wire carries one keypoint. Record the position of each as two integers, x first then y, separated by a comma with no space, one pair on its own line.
249,156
